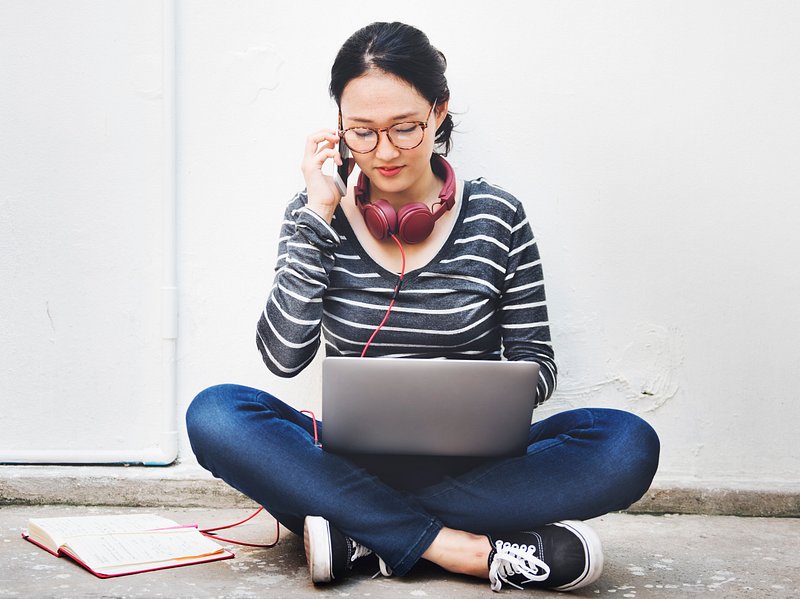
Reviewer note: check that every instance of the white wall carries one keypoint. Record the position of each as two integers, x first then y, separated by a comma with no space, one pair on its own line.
655,145
84,154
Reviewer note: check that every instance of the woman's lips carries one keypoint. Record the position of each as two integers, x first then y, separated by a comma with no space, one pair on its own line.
389,171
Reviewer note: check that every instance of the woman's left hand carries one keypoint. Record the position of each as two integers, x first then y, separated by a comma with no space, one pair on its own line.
323,195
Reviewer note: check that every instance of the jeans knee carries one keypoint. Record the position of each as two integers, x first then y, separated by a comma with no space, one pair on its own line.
651,448
200,406
635,453
205,416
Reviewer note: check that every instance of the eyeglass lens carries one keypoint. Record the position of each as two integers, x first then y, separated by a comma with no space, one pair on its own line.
405,136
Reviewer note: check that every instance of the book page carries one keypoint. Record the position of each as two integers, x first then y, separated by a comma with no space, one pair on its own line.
60,529
140,548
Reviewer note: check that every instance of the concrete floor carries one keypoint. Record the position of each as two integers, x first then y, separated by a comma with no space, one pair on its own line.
646,556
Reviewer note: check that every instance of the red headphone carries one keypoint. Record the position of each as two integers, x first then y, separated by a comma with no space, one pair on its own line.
413,222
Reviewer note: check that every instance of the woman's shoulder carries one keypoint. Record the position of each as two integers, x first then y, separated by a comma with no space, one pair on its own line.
484,195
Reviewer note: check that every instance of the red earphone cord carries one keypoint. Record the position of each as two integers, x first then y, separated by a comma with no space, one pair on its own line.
394,293
209,532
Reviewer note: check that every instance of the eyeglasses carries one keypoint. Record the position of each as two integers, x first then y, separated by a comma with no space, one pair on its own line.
404,136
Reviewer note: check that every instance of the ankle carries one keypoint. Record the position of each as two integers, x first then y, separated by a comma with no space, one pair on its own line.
460,552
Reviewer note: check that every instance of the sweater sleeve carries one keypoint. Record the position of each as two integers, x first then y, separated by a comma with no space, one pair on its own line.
523,310
288,330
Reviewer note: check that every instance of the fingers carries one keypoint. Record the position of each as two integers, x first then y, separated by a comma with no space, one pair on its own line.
321,146
322,135
324,154
320,141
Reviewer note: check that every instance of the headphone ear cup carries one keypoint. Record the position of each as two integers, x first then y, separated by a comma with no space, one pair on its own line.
415,222
380,218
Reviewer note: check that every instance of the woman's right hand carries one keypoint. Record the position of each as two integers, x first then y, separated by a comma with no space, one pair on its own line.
323,196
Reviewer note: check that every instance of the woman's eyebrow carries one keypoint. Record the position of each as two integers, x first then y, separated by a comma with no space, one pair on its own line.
396,118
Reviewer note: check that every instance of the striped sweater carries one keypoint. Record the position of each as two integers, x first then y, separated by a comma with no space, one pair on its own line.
481,297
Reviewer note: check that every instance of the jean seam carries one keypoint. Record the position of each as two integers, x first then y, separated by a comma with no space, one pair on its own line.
409,559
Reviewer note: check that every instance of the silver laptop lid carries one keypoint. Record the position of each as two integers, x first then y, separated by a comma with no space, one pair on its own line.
408,406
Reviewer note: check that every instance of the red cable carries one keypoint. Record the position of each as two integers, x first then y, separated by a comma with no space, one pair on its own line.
314,423
250,517
394,294
209,532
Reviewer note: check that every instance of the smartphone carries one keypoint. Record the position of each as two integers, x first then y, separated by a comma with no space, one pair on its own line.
342,172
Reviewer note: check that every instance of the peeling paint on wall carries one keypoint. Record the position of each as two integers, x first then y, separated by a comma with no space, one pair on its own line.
253,71
645,371
643,374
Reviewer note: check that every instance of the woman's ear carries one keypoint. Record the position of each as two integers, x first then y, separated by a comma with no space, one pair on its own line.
441,112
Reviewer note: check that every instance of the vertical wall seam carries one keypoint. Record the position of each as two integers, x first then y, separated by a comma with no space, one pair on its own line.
167,451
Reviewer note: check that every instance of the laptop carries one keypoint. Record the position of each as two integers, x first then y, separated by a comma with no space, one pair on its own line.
413,406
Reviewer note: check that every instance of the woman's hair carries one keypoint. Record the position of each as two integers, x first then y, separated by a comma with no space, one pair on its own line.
400,50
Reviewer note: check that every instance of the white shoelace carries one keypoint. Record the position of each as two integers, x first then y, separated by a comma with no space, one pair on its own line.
383,569
360,551
512,559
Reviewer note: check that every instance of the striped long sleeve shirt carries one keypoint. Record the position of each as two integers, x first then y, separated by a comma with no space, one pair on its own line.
482,297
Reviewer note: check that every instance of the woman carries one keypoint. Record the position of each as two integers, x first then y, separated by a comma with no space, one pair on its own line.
471,288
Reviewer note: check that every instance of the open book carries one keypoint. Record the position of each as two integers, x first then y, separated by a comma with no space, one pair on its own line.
124,544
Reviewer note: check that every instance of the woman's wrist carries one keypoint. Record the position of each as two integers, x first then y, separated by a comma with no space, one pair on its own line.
322,209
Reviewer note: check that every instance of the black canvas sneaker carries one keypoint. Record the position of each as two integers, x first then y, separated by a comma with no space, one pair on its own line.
562,556
330,553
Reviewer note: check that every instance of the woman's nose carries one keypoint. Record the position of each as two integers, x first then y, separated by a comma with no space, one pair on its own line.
385,149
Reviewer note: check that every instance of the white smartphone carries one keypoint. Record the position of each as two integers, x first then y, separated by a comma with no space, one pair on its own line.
341,173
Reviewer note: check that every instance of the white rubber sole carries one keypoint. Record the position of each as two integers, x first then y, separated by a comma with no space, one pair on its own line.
317,542
594,554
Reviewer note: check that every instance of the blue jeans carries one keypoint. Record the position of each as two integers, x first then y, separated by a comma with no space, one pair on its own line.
579,464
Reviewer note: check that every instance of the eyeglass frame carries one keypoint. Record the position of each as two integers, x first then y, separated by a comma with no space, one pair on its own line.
423,124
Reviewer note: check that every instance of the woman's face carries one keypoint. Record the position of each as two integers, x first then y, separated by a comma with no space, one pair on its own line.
377,100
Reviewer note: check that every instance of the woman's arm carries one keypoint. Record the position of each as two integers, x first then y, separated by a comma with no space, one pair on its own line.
523,310
288,330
